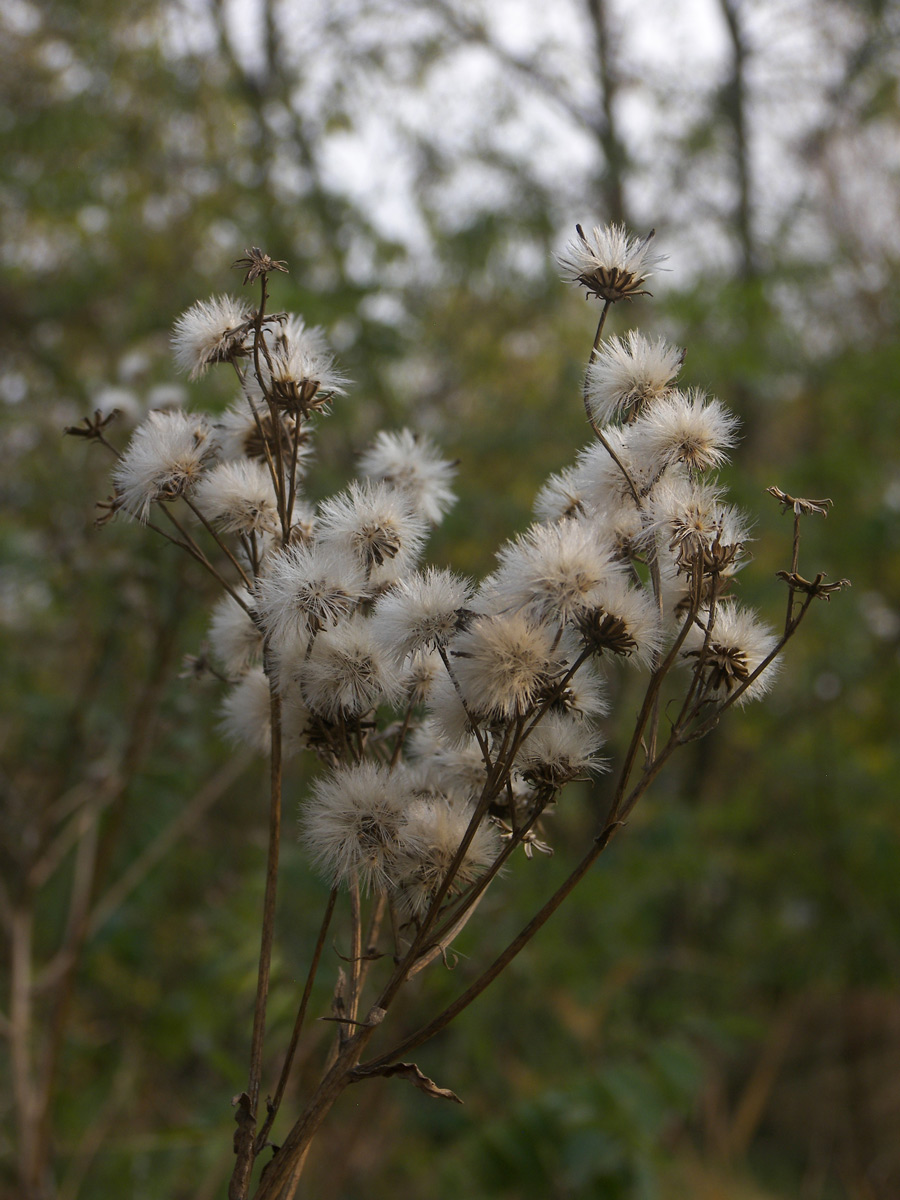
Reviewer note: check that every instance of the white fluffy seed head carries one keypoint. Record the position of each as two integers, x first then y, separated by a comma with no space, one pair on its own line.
211,331
502,663
628,373
693,520
451,766
238,497
245,712
431,837
421,612
373,523
165,458
736,646
353,824
609,263
553,572
625,622
235,640
241,434
299,372
306,588
412,465
686,427
560,498
559,749
347,672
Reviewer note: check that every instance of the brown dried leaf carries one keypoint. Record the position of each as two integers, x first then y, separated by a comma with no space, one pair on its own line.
417,1078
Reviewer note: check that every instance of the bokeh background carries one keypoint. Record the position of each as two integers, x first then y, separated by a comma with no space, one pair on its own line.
716,1013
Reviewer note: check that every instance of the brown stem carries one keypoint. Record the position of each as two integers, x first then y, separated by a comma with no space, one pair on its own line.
499,964
219,542
275,1103
244,1137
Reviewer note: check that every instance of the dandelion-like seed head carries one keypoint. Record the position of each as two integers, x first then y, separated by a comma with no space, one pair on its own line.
558,750
347,672
448,764
609,263
502,663
421,612
698,526
411,464
353,824
165,458
211,331
245,434
625,622
686,427
731,652
374,524
235,640
431,838
239,498
245,712
561,497
553,572
626,374
307,588
298,372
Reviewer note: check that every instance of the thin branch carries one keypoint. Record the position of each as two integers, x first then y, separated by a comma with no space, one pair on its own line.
275,1103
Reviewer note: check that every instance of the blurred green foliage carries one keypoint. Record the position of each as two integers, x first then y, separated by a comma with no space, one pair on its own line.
714,1012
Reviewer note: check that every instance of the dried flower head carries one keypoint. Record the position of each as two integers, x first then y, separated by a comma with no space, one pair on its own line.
609,263
353,824
235,640
561,497
306,588
554,572
430,839
421,612
731,652
255,262
559,749
347,672
239,497
685,427
411,464
628,373
374,524
503,662
247,428
211,331
298,371
165,458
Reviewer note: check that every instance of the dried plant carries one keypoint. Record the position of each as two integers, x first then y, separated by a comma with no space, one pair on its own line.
447,716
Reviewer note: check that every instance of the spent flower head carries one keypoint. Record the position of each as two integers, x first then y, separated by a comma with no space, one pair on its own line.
211,331
610,264
729,653
353,824
165,458
411,464
628,373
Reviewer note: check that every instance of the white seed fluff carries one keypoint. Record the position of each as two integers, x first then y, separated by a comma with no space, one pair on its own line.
353,823
411,464
238,497
210,332
554,572
307,588
165,458
737,644
374,524
628,373
421,612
